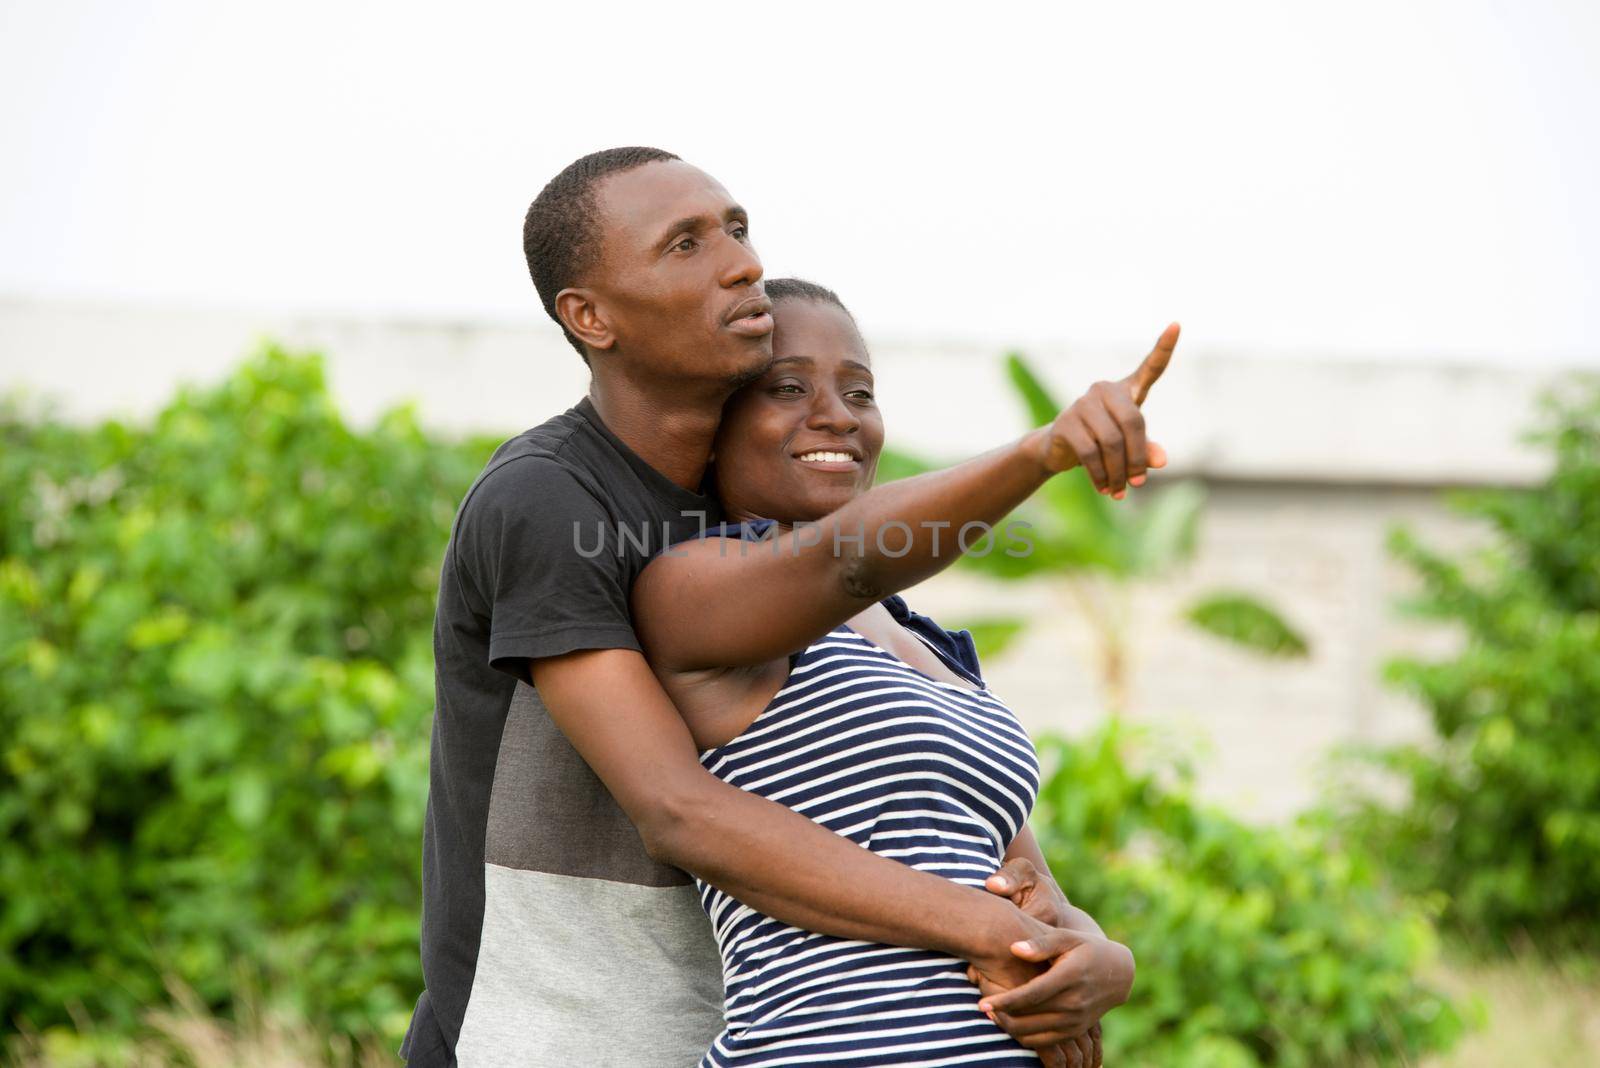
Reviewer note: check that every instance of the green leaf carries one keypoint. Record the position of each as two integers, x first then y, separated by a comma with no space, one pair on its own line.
1165,527
1039,404
992,636
895,464
249,797
1245,621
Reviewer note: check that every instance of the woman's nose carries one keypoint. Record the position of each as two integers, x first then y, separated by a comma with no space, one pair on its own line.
830,412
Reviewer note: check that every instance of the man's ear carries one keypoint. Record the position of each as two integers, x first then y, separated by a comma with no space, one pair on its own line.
582,317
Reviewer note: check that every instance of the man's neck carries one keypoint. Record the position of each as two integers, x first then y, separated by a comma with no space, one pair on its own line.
670,430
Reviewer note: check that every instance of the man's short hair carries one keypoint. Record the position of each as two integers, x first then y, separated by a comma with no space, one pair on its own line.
561,233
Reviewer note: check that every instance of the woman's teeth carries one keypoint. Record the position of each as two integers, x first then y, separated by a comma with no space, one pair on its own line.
825,457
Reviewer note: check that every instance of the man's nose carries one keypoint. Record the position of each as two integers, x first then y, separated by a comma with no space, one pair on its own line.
743,267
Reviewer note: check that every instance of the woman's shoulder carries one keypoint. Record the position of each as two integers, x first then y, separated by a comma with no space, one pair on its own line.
958,645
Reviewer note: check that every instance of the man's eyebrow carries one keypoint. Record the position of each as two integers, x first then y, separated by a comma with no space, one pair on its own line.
858,365
793,359
688,224
694,224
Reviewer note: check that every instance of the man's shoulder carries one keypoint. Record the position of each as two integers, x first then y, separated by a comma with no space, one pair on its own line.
537,467
553,444
556,438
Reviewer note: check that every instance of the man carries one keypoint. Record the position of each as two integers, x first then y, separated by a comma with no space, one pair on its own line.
566,799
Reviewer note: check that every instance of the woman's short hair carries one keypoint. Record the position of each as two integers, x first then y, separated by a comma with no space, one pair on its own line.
781,289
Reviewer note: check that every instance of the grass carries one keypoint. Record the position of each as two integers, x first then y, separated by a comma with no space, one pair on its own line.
187,1033
1530,1011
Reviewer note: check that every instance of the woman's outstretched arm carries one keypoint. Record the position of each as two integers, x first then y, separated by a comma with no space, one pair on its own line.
692,603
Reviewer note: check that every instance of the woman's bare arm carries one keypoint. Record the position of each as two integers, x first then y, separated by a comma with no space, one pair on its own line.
692,604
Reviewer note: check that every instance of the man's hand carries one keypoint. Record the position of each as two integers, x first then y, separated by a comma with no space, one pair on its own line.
1104,430
1036,895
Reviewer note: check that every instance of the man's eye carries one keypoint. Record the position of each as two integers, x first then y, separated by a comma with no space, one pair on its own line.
862,394
741,232
787,386
684,246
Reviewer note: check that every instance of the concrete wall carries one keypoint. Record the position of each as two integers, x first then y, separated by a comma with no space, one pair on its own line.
1259,728
1287,416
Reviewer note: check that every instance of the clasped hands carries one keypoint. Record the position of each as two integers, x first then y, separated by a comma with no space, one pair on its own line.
1051,990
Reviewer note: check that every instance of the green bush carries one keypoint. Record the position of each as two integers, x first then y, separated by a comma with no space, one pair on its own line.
215,691
215,684
1503,813
1255,946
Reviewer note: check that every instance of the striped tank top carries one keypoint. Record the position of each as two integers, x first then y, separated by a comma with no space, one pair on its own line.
934,775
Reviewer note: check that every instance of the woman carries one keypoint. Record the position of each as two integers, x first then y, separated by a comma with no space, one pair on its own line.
803,679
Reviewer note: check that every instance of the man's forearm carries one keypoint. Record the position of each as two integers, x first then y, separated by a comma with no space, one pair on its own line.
791,868
770,857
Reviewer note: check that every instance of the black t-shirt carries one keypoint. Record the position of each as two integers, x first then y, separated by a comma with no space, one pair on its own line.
543,553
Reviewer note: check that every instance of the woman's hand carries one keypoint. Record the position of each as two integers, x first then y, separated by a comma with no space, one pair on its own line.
1085,976
1103,430
992,976
1102,983
1019,880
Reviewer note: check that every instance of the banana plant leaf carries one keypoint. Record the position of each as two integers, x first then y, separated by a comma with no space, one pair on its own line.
1165,528
992,635
1244,620
895,464
1073,528
1082,524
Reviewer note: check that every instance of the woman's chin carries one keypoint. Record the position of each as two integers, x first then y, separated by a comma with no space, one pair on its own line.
818,509
801,508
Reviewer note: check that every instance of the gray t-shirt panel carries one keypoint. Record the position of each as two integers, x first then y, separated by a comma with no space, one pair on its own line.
542,555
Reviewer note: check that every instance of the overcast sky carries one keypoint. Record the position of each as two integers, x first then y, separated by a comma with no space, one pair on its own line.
1351,177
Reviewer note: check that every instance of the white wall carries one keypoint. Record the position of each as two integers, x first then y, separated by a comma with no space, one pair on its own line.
1413,421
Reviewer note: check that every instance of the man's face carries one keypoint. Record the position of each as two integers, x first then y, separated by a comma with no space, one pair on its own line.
677,279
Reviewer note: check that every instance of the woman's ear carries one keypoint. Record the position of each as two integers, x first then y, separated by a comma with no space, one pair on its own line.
580,313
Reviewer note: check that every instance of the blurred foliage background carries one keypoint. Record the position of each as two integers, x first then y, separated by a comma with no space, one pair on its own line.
1504,810
215,687
215,690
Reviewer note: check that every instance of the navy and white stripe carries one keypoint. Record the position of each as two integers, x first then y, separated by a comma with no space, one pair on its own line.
934,775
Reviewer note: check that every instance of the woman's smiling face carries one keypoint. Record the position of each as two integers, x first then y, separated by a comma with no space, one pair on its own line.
805,439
